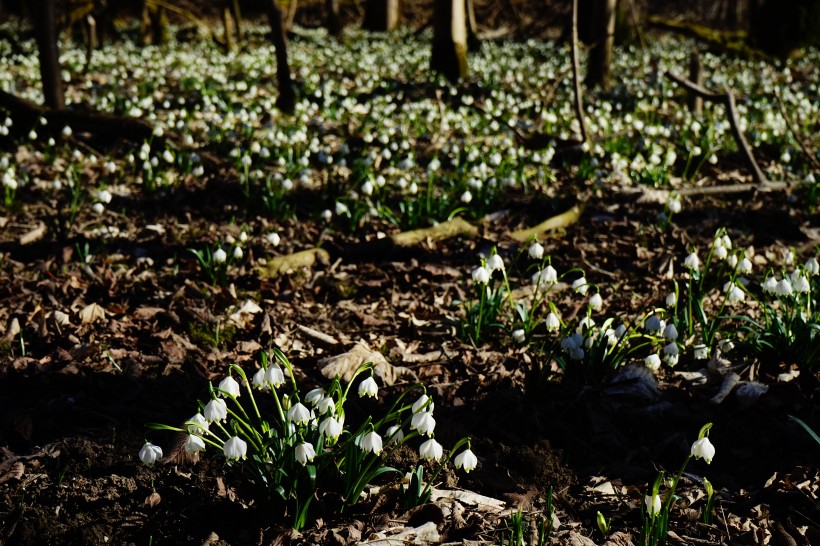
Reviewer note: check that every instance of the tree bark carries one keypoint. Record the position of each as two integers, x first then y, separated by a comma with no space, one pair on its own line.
45,29
696,77
333,17
237,19
381,15
578,96
292,6
449,55
600,55
473,43
287,96
227,25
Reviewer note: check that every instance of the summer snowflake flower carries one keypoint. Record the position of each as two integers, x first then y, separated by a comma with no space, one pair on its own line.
431,450
734,293
812,266
326,405
394,434
273,238
653,324
670,353
150,454
653,504
236,448
330,427
299,414
216,410
671,299
745,266
769,285
481,275
197,424
692,262
801,284
466,197
229,387
237,252
553,322
423,422
495,263
258,380
670,333
783,288
467,460
304,453
596,301
519,335
580,285
274,375
703,448
368,387
194,444
701,352
536,251
653,362
548,275
372,443
674,204
422,404
314,396
220,256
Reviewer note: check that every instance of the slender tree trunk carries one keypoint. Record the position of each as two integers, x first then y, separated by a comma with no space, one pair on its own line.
696,77
333,17
237,19
473,43
287,96
578,96
449,55
227,25
91,41
600,55
381,15
45,28
292,6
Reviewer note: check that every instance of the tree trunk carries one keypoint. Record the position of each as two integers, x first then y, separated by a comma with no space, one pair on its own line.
292,6
45,28
696,77
227,25
449,55
333,17
600,55
473,43
381,15
287,96
237,19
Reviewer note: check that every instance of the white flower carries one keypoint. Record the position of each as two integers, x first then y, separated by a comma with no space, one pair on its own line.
150,454
368,387
692,262
734,293
674,204
812,266
394,434
596,301
98,208
274,375
104,196
299,414
341,208
467,460
703,448
237,252
580,285
327,216
216,410
670,333
196,424
236,448
495,263
423,422
536,251
481,275
422,404
330,427
168,156
801,284
67,131
314,396
258,380
229,387
548,275
745,266
721,253
732,260
220,256
431,450
194,444
783,288
620,330
519,335
367,187
671,299
372,442
326,405
653,324
653,504
670,350
304,452
769,285
273,238
466,197
553,322
653,362
701,352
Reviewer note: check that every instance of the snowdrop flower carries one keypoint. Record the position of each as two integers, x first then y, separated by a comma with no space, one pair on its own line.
314,396
670,353
467,460
235,448
670,333
495,263
216,410
653,324
229,387
692,262
481,275
674,204
519,335
372,443
273,238
194,444
580,285
812,267
274,375
331,428
197,424
304,453
800,282
734,293
783,288
653,362
596,301
423,422
701,352
368,387
237,252
553,322
671,299
150,454
721,253
653,504
104,196
548,275
769,285
536,251
220,256
431,450
394,434
423,404
466,197
98,208
703,448
299,414
745,266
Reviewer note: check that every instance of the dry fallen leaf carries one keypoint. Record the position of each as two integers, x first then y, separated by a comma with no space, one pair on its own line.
91,313
346,364
152,500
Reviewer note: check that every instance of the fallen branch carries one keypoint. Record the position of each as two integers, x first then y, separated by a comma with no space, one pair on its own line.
559,221
728,100
790,125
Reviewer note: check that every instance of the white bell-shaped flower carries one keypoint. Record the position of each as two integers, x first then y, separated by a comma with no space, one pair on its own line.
274,375
194,444
431,450
216,410
330,427
423,422
304,453
703,448
235,448
150,453
299,414
467,460
229,387
372,442
368,387
653,504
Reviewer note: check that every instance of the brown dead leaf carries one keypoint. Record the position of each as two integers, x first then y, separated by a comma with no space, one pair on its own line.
91,313
147,313
153,499
346,364
14,472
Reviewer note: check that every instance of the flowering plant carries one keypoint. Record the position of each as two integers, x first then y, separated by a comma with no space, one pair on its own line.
302,443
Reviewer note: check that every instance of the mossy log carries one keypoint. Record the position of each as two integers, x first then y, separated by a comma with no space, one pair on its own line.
559,221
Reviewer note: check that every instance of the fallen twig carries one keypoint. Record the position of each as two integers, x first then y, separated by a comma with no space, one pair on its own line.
576,76
790,125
